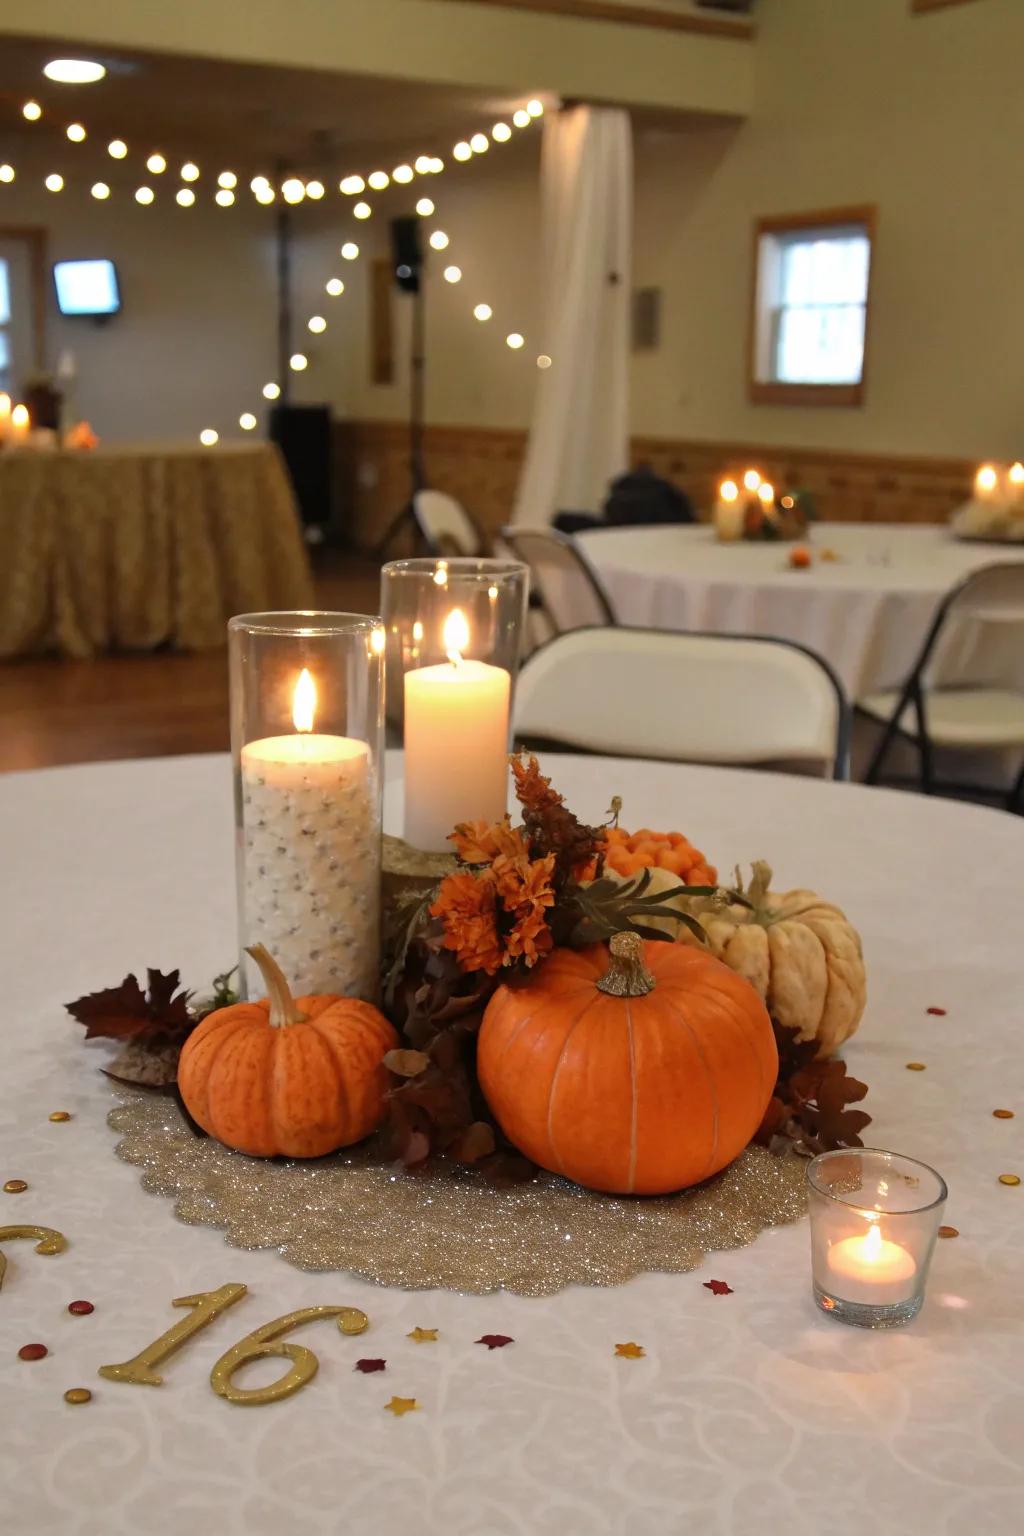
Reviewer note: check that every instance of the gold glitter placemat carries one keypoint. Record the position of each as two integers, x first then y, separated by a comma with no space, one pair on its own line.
448,1229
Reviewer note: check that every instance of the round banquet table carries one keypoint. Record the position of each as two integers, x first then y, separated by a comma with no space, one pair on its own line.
867,612
750,1412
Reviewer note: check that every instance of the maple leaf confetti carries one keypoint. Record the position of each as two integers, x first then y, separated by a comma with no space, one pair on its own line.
423,1335
495,1340
718,1288
400,1405
368,1366
630,1351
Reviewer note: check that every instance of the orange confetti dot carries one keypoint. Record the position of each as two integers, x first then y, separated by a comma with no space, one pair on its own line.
630,1351
949,1232
1003,1114
1013,1179
915,1066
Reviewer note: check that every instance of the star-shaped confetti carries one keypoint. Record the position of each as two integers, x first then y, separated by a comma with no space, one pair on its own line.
718,1287
630,1351
423,1335
495,1340
368,1366
400,1405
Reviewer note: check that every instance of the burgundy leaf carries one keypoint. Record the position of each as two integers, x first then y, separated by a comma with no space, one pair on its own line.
495,1340
718,1288
369,1366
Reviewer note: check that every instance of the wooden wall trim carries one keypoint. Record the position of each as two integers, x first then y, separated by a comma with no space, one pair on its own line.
630,15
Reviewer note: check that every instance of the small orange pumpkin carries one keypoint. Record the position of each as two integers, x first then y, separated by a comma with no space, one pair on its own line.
288,1077
638,1077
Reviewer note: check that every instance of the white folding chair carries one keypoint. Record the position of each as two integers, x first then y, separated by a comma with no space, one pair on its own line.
973,717
563,582
740,699
445,525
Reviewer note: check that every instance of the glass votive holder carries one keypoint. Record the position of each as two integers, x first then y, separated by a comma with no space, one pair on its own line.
454,629
874,1220
306,743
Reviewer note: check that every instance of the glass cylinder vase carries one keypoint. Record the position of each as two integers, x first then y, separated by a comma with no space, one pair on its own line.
874,1220
454,630
306,741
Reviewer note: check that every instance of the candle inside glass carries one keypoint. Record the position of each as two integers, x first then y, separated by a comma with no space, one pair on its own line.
870,1268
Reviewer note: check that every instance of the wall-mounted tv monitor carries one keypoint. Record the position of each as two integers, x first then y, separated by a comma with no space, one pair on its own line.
86,287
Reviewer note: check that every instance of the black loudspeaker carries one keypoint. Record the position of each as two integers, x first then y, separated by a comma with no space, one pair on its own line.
406,253
303,434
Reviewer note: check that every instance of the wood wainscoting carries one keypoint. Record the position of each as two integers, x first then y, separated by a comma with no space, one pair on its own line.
480,467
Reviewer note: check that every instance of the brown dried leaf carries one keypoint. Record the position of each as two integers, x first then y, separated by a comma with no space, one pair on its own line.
406,1063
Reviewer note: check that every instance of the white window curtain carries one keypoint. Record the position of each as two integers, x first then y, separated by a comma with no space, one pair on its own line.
579,435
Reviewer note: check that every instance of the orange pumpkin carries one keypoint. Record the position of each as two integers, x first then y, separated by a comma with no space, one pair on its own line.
638,1077
289,1077
627,853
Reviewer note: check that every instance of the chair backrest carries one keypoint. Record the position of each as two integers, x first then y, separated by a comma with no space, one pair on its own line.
445,525
992,595
685,697
570,591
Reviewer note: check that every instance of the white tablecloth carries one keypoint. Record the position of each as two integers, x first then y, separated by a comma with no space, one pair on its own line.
867,613
751,1413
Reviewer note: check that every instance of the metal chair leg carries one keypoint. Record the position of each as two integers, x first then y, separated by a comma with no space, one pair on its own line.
881,752
1015,799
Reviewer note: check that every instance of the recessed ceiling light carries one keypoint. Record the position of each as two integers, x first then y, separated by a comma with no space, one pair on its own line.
74,71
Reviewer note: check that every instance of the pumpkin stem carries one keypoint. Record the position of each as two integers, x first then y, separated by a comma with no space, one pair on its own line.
627,975
282,1004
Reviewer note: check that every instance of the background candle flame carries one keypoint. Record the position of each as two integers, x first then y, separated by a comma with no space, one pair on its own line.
304,702
456,635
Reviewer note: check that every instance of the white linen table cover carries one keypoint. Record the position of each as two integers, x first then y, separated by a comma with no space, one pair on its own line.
750,1413
867,612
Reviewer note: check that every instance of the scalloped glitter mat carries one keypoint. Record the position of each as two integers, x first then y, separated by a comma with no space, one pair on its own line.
448,1229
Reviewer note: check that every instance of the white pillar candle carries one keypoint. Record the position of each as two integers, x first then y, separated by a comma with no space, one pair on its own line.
5,416
20,426
871,1270
312,850
456,742
1015,484
729,512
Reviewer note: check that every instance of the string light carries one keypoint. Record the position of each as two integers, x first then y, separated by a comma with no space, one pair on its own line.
453,274
350,250
543,361
117,149
501,133
32,111
317,324
436,165
156,165
535,108
378,180
438,240
271,391
258,183
224,197
208,437
352,185
100,191
144,195
54,182
424,164
315,190
482,312
478,143
6,172
247,421
463,151
362,210
402,173
184,197
298,361
293,190
265,193
190,171
75,132
514,340
522,118
228,180
335,287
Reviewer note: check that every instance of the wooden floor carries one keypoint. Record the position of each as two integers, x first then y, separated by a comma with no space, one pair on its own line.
153,705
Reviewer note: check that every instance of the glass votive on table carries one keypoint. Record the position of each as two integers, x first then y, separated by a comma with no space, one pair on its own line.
306,738
874,1220
454,629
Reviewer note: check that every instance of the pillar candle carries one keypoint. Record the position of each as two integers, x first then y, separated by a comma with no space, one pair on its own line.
312,850
456,742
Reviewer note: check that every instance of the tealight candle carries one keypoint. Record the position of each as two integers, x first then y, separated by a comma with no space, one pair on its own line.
456,742
986,483
872,1269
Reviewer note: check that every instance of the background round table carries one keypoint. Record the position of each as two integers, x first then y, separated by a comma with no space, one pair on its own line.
867,612
750,1412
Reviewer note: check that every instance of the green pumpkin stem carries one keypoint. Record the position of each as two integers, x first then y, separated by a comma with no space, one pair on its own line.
282,1004
627,975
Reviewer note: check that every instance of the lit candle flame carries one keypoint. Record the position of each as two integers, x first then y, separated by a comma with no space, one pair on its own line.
19,416
456,635
986,478
728,490
766,491
751,479
1017,474
871,1248
304,702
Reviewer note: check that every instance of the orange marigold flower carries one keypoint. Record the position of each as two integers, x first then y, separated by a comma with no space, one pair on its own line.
530,937
476,842
532,789
466,906
522,883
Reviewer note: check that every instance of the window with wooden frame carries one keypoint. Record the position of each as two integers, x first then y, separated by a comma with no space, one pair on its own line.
809,307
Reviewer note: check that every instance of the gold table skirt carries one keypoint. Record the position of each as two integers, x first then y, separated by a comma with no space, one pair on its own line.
134,549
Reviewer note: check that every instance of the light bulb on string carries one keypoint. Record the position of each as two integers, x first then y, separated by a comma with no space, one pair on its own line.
208,437
32,111
315,190
463,150
298,362
247,421
352,185
501,133
156,165
350,250
117,149
335,287
144,195
438,240
224,197
522,118
228,180
100,191
184,197
479,143
6,172
453,274
317,324
425,207
535,108
265,194
362,211
378,180
293,190
54,182
514,340
482,312
75,132
271,391
437,165
190,171
424,165
402,174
